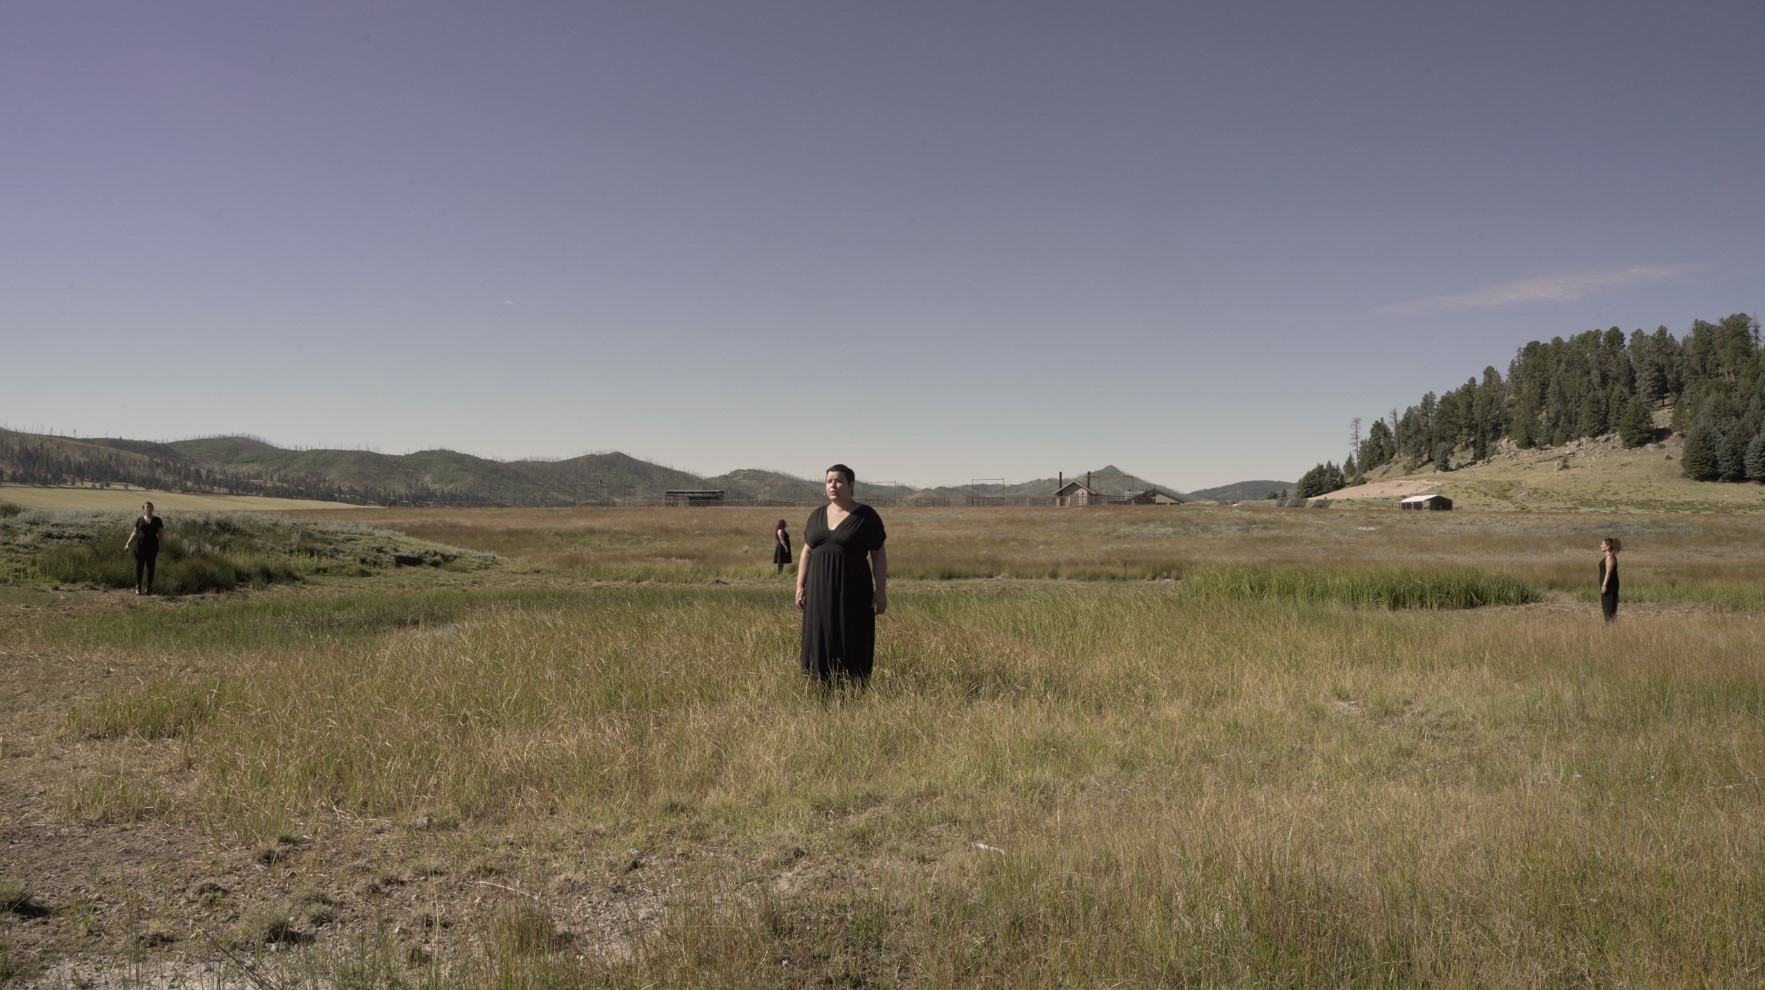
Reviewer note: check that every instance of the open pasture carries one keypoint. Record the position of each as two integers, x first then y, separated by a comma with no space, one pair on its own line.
594,764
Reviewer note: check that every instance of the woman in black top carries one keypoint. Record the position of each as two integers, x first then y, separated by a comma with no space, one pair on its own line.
781,547
1609,548
842,584
144,538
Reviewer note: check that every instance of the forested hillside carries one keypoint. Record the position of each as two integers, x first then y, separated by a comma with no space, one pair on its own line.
1592,384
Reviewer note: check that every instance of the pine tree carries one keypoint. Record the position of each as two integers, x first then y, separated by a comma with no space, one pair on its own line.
1635,426
1731,456
1755,459
1699,460
1321,480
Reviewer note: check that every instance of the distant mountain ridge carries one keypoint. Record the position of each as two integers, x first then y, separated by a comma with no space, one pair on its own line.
250,466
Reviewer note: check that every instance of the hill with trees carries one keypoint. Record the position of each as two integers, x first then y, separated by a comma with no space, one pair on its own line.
1590,385
1245,491
240,465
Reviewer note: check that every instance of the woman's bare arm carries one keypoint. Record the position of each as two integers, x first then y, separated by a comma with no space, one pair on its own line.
879,571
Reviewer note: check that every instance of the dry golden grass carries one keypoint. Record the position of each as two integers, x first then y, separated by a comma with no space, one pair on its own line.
1134,542
603,770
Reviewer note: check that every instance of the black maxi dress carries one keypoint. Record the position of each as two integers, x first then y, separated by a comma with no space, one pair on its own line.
839,617
146,549
1609,596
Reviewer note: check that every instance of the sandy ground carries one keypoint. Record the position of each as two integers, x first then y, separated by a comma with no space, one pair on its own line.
130,499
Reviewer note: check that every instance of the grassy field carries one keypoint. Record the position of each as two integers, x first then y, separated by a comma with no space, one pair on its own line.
1127,747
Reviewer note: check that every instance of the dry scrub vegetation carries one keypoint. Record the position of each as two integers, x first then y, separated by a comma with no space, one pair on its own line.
594,764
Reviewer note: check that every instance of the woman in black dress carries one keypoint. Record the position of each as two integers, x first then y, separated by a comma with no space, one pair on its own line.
1609,548
781,547
144,540
842,584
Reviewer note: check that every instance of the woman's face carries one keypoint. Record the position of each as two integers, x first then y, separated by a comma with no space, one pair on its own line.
147,508
838,488
1605,547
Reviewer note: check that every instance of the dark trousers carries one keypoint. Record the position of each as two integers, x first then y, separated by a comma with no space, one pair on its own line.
144,565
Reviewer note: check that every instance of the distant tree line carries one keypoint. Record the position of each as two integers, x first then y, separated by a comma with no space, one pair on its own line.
30,460
1593,384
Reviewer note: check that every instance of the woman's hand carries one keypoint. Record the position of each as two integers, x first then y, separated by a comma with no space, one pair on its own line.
799,596
880,602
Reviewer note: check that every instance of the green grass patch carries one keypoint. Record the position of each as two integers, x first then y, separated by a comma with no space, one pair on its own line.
1397,588
180,570
207,552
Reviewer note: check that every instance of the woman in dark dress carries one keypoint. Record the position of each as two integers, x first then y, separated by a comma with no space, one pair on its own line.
781,547
144,539
1609,548
842,584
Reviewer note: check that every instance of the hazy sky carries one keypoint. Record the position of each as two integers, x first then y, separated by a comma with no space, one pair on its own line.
937,241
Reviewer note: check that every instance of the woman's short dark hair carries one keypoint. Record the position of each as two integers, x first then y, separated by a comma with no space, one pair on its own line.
851,478
780,524
1616,544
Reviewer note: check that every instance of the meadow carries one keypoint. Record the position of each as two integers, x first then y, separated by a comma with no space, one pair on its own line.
1197,746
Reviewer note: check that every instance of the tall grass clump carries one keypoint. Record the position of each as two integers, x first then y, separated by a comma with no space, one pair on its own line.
1398,588
182,569
204,552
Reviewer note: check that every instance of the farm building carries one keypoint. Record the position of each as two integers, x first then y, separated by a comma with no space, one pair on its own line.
1081,493
693,496
1434,501
1076,493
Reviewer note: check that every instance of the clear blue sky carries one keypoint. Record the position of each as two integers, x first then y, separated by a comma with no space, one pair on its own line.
937,241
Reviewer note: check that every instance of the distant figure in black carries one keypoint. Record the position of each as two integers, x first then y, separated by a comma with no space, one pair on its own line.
842,584
781,547
1609,548
144,540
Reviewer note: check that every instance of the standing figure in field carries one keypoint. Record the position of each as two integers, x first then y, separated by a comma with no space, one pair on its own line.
144,540
842,584
1609,548
781,547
